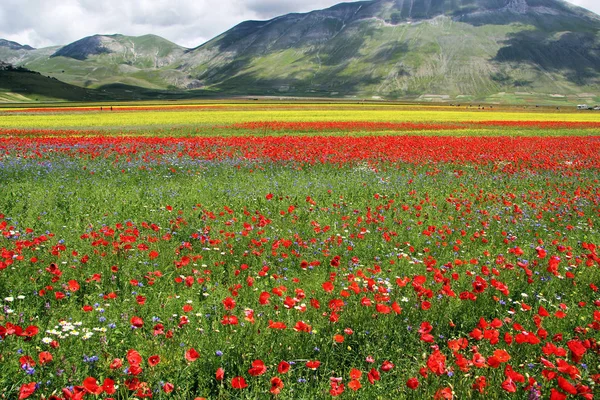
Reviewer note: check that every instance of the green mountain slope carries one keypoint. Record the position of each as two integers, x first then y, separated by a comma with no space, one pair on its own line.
101,60
18,84
410,48
21,85
455,50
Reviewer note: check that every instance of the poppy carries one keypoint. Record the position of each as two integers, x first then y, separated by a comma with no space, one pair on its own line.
26,390
354,384
313,365
168,387
31,331
91,386
134,358
412,383
355,373
191,355
137,322
108,386
229,304
276,385
238,383
283,367
153,360
557,395
386,366
336,389
437,363
258,368
509,386
373,376
276,325
45,357
444,394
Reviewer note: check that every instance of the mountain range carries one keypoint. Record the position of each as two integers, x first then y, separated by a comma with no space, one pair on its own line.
490,50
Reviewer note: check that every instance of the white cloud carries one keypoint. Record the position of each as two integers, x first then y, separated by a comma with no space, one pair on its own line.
592,5
189,23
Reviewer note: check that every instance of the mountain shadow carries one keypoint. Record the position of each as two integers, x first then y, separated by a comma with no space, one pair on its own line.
575,54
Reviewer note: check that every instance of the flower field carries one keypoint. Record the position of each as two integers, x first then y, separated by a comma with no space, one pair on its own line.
236,251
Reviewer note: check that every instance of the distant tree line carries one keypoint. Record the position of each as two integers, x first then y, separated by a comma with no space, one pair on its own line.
4,66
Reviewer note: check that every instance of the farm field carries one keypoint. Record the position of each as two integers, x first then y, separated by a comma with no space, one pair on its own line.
293,251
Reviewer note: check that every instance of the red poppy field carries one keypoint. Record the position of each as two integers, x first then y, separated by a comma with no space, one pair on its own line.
299,259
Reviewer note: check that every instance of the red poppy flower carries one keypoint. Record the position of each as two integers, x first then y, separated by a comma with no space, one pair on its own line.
445,393
386,366
168,387
373,376
109,386
229,304
238,383
566,386
116,363
276,325
220,374
276,385
137,322
73,286
229,320
437,363
338,339
134,358
382,308
91,386
263,299
191,355
336,389
26,390
354,384
153,360
30,331
313,365
509,386
135,370
355,374
302,326
283,367
557,395
577,350
45,357
258,368
502,355
412,383
480,384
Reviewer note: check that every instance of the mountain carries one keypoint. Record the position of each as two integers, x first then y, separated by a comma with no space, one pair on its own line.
410,48
102,60
492,50
14,45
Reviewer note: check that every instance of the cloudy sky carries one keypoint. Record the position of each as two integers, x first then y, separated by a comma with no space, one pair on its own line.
190,23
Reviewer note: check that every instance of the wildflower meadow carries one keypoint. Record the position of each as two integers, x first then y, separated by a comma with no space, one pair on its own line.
297,251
